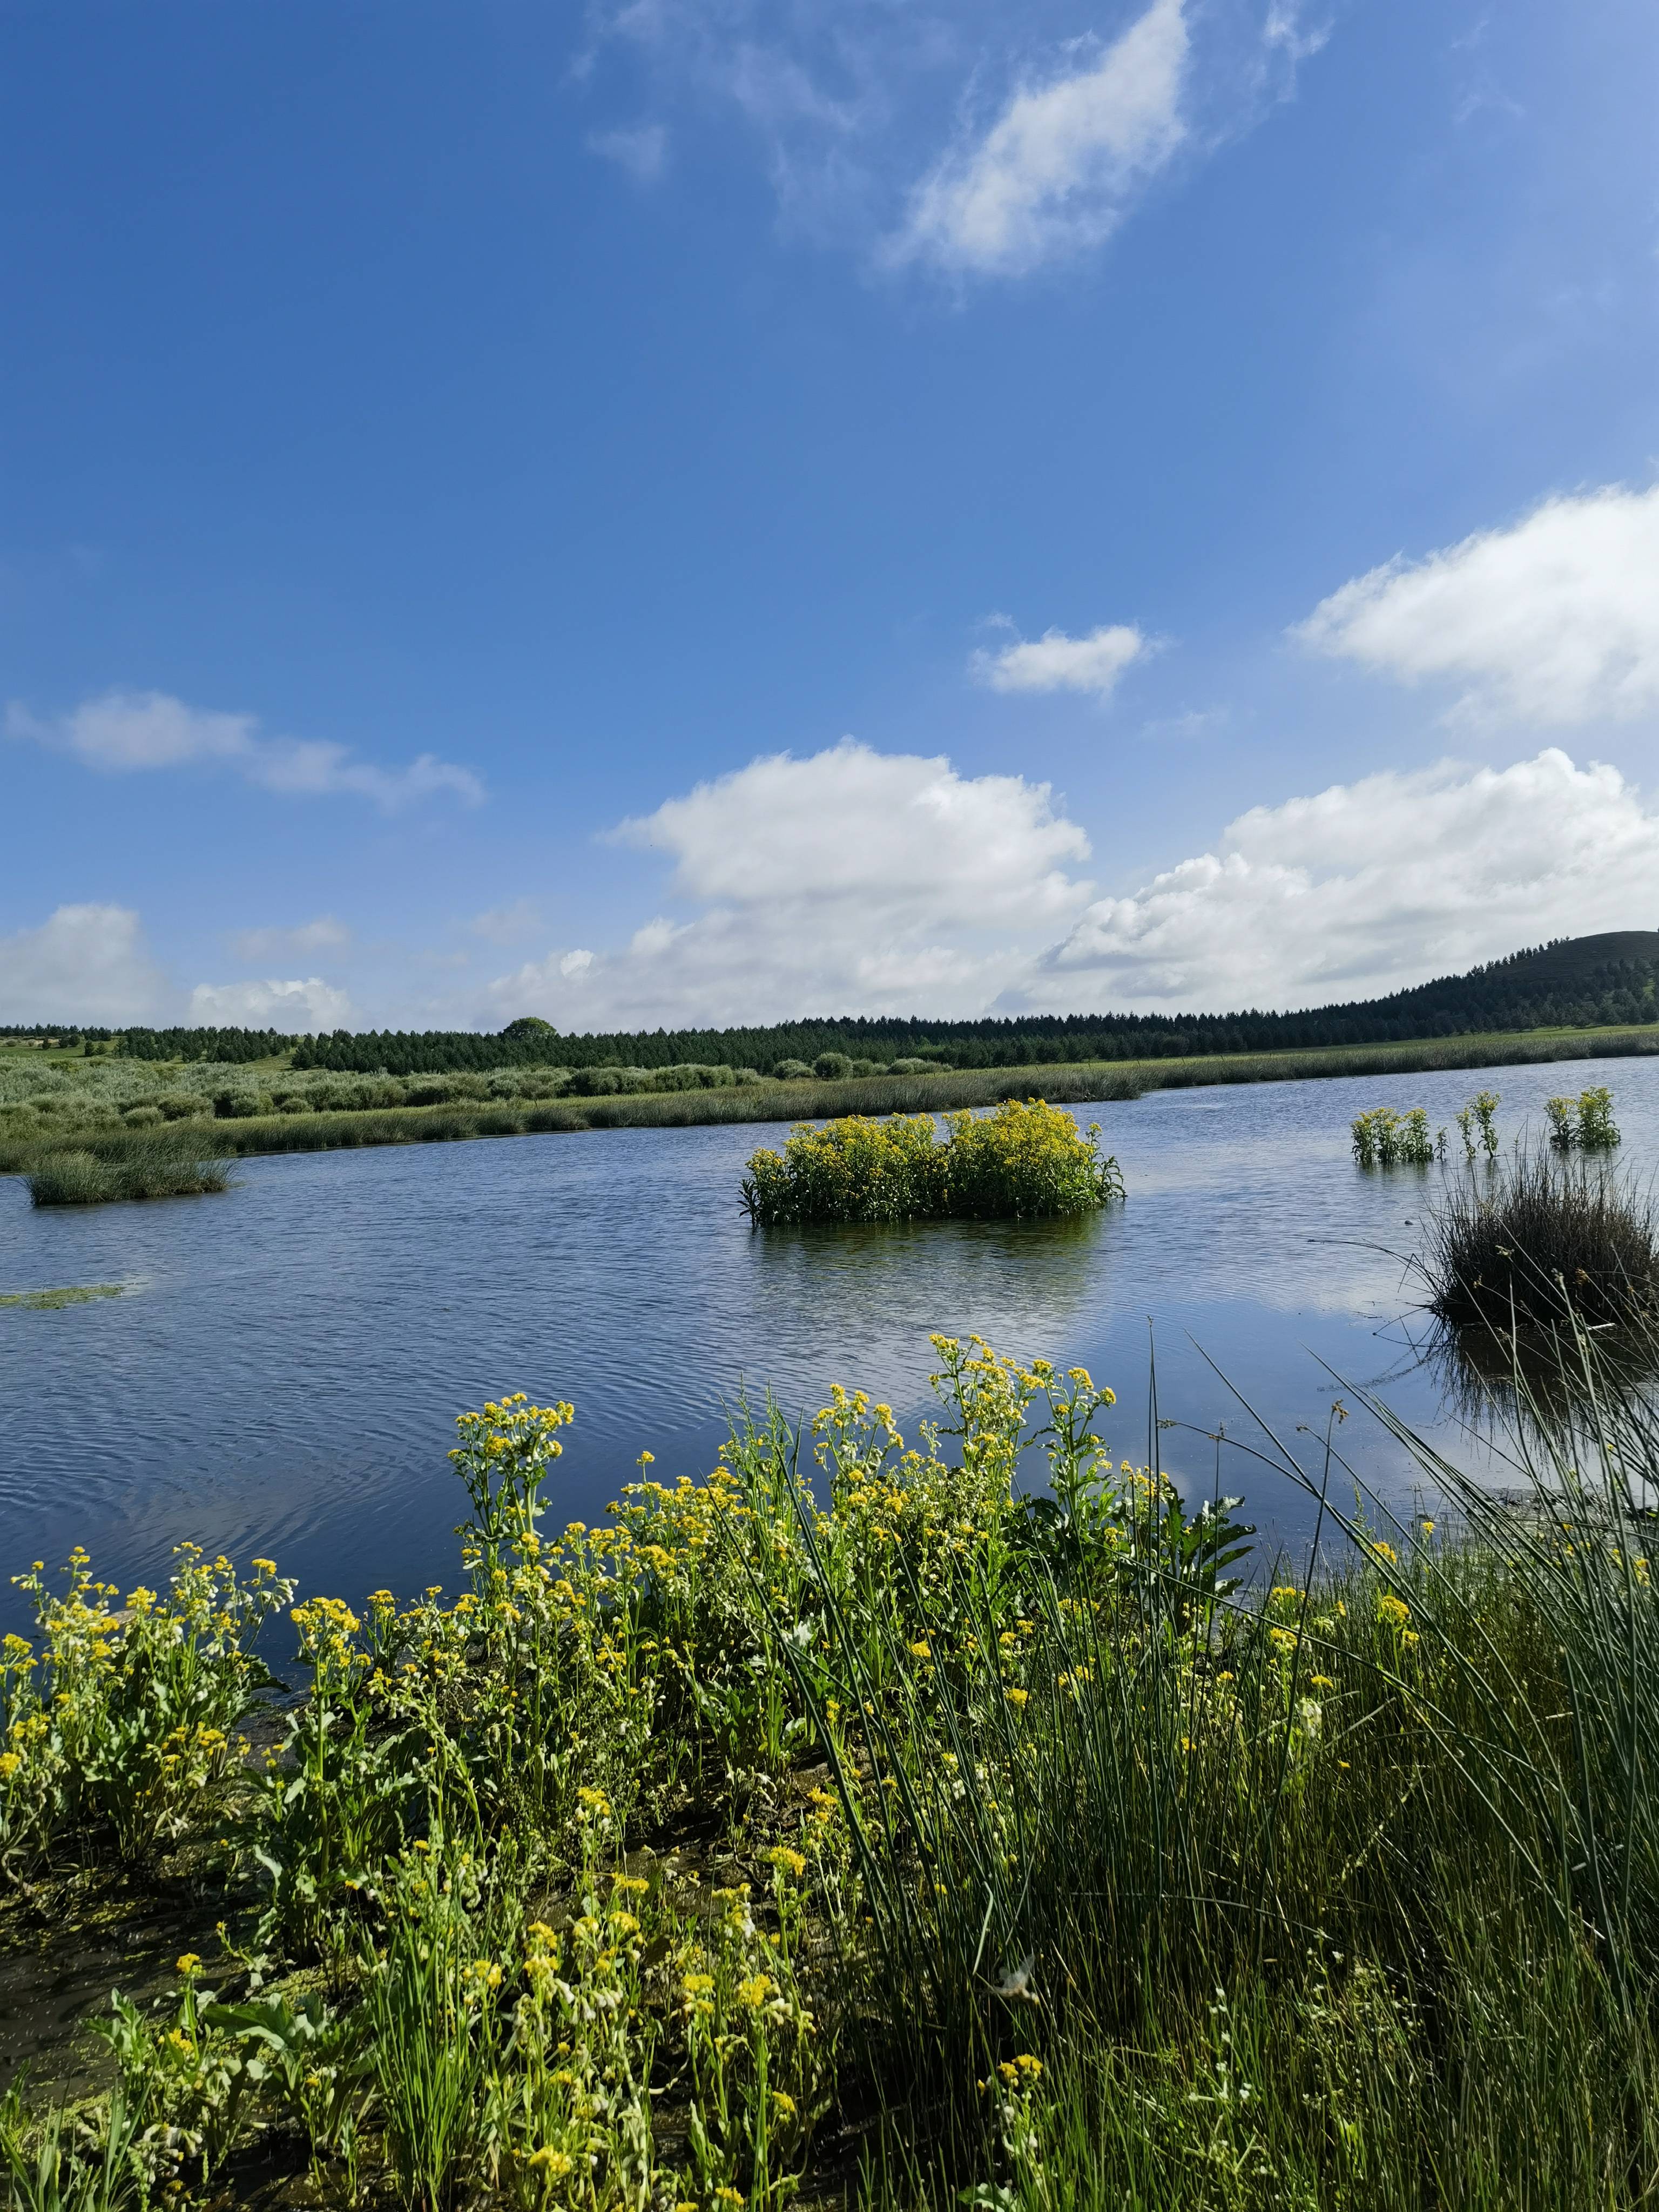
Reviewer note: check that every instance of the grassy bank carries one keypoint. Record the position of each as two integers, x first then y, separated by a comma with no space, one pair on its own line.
888,1840
23,1143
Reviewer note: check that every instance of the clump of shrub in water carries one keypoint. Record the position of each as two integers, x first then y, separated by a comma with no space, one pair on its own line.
1583,1124
1021,1160
156,1167
845,1808
1385,1138
1479,1119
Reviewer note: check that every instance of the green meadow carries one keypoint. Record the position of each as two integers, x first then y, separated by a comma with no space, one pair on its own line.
115,1109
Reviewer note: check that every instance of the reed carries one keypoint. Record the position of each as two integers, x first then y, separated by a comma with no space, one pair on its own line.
144,1167
1537,1243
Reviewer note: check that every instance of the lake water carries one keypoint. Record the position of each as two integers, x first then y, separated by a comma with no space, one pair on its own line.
283,1370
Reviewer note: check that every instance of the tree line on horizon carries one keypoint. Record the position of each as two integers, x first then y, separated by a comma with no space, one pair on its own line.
1542,986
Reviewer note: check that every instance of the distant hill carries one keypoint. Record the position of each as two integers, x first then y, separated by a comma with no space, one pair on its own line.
1574,982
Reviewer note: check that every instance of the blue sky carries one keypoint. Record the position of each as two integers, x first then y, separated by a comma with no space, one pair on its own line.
694,510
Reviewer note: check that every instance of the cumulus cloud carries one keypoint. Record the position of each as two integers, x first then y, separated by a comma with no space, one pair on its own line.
1055,662
1059,167
1554,620
851,878
310,1006
84,964
642,153
1368,887
126,731
904,831
326,934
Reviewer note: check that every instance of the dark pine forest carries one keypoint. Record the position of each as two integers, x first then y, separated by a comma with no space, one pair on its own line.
1572,982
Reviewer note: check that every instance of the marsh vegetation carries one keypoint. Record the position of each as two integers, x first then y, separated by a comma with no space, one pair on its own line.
67,1294
108,1106
1027,1160
1538,1241
849,1826
171,1165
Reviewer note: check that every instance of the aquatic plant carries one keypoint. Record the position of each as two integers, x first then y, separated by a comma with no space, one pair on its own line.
160,1168
1583,1124
1478,1118
1022,1159
1384,1138
1537,1241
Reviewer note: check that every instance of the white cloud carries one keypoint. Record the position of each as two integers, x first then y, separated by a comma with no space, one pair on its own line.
1046,147
1055,662
309,1006
904,834
121,732
851,879
1552,621
506,925
1368,887
642,153
323,935
85,963
1058,168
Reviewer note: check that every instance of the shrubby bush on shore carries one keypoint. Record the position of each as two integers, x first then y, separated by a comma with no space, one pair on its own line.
853,1811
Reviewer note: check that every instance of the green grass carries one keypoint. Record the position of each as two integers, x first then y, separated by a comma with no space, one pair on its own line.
137,1166
23,1143
886,1838
1530,1242
70,1294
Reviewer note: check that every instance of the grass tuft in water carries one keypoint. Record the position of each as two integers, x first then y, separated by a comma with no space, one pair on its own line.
151,1168
1539,1241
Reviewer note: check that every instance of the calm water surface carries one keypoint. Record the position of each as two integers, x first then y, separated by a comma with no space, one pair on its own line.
283,1372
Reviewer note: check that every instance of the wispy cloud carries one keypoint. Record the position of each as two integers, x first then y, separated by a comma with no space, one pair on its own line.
642,152
125,732
326,934
1059,167
1055,662
506,925
1042,144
